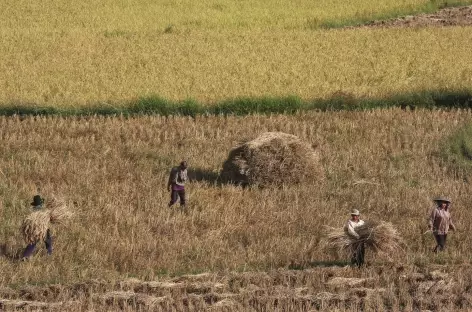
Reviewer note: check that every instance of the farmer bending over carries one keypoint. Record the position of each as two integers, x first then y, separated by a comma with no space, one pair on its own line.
37,205
440,221
357,253
176,184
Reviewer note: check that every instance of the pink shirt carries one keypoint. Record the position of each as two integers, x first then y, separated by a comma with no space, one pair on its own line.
176,187
440,220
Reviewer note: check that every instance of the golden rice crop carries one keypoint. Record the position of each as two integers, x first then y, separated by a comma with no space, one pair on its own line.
82,54
156,16
86,68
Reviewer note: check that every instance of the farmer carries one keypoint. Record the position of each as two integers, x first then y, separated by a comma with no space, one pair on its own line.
176,184
37,205
440,222
357,253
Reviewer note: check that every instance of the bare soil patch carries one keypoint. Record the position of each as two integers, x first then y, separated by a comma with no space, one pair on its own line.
454,16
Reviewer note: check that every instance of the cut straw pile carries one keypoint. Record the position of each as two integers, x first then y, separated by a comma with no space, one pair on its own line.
273,158
380,237
35,226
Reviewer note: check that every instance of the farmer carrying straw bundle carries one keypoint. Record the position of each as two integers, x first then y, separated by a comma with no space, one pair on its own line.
440,222
358,251
357,236
36,227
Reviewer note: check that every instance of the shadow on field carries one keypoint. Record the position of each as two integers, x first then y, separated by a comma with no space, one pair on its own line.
10,252
155,105
211,177
312,264
203,175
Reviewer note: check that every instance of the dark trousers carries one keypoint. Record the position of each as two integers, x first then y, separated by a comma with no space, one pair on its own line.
440,242
31,247
174,195
358,255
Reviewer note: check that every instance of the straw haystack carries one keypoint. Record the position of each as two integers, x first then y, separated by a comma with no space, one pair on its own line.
35,225
273,158
380,237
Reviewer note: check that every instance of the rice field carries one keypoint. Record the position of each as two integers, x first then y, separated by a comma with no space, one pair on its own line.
147,15
232,248
113,172
63,55
83,69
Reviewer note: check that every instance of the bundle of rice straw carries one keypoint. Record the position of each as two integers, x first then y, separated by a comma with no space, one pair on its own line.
381,237
60,212
35,226
273,158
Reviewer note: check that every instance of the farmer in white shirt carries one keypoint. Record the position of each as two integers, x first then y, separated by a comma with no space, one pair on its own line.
358,252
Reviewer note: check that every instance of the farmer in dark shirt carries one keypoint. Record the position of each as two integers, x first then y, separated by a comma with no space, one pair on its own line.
176,183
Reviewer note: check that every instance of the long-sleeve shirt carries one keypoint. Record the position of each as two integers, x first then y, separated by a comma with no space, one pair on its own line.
440,221
350,227
177,178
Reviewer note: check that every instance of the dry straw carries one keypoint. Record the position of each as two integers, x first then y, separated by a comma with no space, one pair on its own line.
35,225
273,158
380,237
60,212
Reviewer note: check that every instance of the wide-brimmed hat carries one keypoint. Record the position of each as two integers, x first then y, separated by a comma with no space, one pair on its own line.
355,212
37,201
442,199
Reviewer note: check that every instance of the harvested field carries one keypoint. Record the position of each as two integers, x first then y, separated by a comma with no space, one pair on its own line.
406,288
114,170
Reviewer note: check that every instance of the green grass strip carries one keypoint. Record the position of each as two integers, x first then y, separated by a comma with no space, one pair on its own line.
155,105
